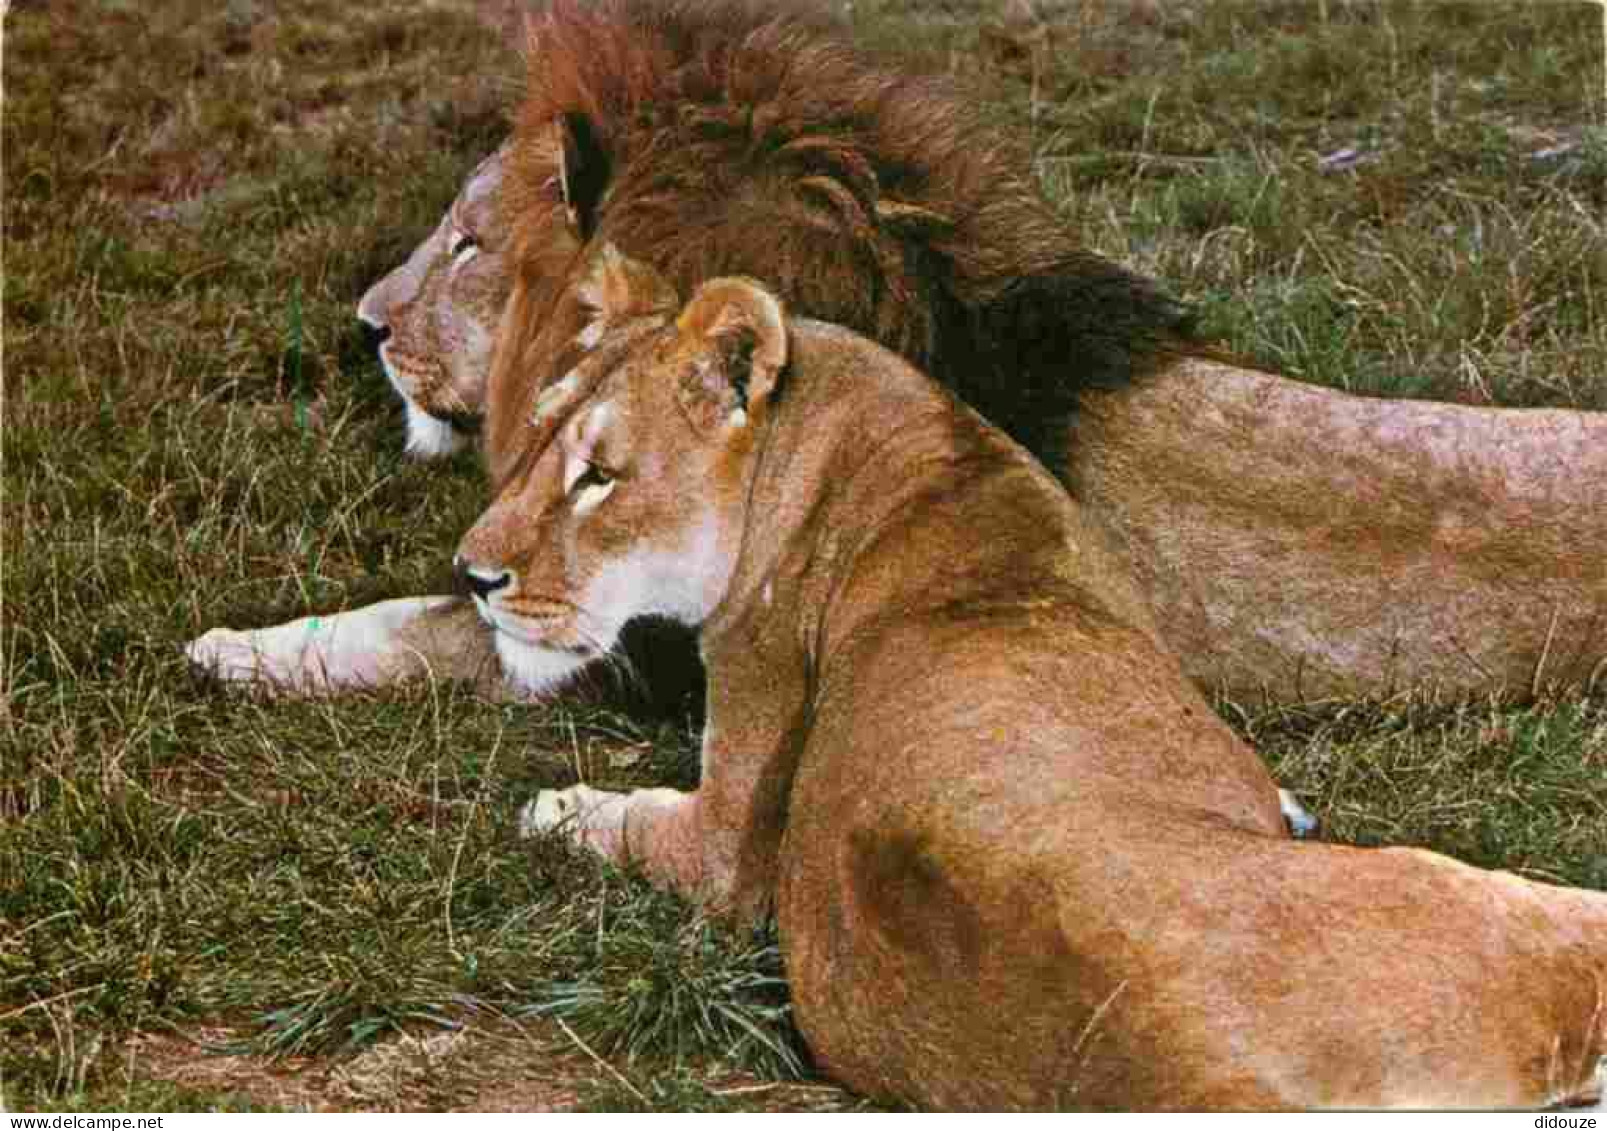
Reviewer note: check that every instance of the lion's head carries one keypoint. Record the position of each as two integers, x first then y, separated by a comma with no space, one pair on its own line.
628,500
720,138
436,316
724,138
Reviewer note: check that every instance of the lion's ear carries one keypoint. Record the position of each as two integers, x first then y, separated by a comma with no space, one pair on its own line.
738,334
583,172
616,289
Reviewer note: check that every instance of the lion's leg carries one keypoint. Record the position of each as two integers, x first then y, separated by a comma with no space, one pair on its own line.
720,844
673,836
381,644
665,832
656,828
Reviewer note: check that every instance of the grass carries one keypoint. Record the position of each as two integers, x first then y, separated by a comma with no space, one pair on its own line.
207,901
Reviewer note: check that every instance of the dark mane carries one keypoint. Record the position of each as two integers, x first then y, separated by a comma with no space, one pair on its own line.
732,138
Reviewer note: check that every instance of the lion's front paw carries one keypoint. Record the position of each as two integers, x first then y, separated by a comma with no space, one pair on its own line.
592,817
236,657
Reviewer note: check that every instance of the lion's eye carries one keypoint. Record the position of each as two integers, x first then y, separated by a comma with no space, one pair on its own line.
590,488
463,245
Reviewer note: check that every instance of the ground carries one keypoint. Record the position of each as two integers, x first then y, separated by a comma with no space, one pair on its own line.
208,901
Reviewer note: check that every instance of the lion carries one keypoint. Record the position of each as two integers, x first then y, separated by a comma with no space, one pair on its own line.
1017,861
434,318
1262,517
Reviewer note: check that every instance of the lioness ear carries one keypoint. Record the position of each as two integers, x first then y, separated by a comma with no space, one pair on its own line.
616,289
738,333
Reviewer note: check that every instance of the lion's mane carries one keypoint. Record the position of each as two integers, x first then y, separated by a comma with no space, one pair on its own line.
726,137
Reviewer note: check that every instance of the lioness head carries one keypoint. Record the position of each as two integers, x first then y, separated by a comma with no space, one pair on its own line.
436,316
629,501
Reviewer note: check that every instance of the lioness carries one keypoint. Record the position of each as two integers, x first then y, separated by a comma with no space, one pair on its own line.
1016,859
1263,518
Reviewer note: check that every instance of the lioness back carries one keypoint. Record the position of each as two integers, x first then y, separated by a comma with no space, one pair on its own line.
1017,861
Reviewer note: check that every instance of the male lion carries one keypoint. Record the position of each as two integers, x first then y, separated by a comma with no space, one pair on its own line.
435,317
1017,861
1294,541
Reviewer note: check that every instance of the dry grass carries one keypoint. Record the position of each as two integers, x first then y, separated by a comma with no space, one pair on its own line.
331,892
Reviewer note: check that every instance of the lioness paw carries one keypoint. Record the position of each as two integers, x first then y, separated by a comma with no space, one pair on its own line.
591,817
1302,825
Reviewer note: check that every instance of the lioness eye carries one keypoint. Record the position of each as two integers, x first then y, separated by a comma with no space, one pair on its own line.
593,476
464,243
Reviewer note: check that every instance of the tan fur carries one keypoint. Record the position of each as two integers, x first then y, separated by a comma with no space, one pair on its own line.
1017,860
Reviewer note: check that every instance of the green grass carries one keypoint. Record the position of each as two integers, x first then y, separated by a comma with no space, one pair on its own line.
194,197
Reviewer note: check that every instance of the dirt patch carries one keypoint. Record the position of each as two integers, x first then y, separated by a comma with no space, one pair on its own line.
191,1060
486,1065
490,1064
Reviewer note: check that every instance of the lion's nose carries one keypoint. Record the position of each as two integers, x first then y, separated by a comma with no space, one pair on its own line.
479,581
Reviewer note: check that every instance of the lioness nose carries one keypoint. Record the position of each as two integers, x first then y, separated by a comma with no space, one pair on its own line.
373,336
479,581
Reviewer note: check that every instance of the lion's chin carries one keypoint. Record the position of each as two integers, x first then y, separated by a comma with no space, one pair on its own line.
429,438
535,670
